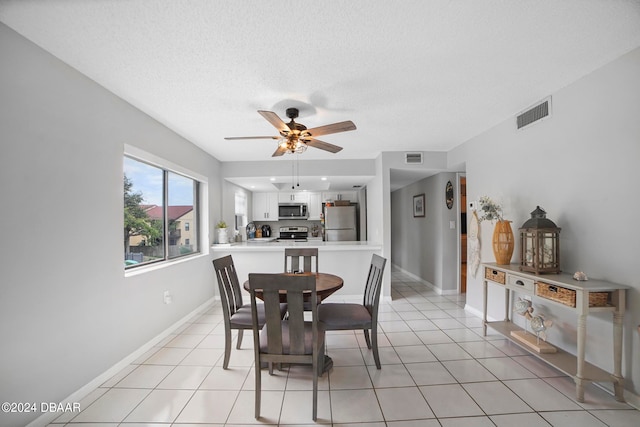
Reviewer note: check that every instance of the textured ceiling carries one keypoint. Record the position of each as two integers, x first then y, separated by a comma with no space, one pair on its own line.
412,75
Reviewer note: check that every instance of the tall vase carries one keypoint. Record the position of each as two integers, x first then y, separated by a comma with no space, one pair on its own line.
503,242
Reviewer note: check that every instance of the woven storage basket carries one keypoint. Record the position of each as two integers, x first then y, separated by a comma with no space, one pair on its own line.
568,296
495,275
341,202
598,299
556,293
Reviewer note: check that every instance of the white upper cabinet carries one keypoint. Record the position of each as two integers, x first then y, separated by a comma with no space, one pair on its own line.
265,206
315,206
293,197
352,196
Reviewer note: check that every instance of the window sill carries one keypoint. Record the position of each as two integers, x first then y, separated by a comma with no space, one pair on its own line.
162,265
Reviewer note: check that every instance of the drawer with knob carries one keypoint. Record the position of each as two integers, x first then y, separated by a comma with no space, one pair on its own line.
519,282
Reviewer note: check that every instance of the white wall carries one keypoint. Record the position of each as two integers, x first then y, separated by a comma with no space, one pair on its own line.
378,222
581,166
67,311
426,246
229,191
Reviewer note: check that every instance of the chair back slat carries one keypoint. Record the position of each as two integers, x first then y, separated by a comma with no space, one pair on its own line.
374,283
273,321
294,256
228,284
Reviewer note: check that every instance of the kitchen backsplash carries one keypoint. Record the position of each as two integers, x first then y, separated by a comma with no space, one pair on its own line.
275,225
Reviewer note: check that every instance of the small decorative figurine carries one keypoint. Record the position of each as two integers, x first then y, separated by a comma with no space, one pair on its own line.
522,307
538,325
580,276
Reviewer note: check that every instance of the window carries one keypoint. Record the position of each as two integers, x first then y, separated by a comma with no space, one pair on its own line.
160,214
240,210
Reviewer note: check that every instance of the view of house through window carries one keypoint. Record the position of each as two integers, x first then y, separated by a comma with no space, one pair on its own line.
160,214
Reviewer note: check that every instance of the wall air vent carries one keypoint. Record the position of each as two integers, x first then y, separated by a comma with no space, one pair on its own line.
413,158
535,113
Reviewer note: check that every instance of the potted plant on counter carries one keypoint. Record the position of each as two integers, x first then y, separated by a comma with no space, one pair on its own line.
223,236
503,242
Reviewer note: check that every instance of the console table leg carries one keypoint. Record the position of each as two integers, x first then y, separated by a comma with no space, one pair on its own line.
618,317
507,301
484,308
582,334
579,389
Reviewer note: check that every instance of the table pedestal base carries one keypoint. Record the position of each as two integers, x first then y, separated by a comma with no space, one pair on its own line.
328,363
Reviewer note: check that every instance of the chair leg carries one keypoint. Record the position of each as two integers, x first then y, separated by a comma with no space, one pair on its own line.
258,372
367,339
376,356
240,333
316,366
227,347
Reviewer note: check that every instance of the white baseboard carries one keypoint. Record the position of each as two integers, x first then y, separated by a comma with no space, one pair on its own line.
430,285
632,399
478,313
78,395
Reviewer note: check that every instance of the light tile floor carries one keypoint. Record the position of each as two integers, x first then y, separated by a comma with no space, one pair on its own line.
438,370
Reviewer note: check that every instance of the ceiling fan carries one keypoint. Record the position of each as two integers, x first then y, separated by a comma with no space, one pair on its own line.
295,137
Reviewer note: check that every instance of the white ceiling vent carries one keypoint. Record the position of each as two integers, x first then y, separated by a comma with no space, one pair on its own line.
413,158
535,113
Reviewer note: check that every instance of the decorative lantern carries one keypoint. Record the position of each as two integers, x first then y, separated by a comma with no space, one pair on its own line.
540,244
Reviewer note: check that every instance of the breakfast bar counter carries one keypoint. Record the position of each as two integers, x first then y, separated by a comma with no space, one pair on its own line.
278,245
349,260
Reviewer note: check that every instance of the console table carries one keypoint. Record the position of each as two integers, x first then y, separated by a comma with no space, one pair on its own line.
581,298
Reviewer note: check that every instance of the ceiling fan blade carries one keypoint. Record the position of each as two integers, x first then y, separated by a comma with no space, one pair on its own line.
332,128
252,137
312,142
279,151
275,121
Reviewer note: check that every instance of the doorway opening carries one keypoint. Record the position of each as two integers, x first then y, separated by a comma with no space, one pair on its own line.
463,233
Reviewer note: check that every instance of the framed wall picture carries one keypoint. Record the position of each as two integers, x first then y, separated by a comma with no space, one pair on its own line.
418,205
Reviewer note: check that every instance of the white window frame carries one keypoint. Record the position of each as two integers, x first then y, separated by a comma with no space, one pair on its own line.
203,207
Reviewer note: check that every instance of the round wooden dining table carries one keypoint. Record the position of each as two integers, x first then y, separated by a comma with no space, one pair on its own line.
326,284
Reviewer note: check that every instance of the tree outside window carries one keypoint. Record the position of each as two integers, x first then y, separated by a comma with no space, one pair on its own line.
155,230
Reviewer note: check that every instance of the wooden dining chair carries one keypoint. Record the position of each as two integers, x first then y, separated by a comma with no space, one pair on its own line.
292,340
346,316
236,314
300,259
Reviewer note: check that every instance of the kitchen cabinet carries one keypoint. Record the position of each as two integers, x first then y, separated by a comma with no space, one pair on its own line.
352,196
593,296
315,206
293,197
265,206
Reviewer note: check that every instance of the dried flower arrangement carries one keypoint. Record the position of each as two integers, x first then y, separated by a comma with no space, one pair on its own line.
489,210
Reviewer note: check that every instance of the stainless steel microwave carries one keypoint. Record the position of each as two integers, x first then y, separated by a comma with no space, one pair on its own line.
293,211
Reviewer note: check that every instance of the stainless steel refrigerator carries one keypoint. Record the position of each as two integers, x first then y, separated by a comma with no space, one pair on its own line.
340,223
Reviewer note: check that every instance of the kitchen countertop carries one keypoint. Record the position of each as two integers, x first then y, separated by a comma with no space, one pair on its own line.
271,244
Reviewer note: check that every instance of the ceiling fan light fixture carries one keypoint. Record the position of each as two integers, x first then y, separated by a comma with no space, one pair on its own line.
292,145
295,137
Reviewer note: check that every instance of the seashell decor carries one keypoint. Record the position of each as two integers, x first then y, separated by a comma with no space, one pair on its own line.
581,276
